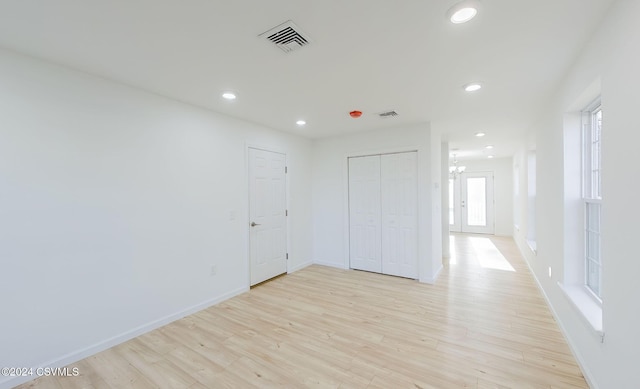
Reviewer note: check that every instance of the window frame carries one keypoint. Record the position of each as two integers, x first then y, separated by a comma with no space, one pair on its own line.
592,194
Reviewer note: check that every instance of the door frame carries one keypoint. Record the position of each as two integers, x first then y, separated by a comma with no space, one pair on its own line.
247,218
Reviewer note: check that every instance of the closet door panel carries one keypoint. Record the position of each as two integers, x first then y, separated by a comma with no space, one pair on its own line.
364,214
399,217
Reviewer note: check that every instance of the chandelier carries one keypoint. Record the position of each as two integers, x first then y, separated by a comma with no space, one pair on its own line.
455,170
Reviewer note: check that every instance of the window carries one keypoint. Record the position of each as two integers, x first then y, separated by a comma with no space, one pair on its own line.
592,195
582,275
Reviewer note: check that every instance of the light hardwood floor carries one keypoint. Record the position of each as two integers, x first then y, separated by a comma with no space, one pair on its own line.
483,325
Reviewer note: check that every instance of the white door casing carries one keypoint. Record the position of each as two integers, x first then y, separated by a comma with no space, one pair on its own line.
267,215
364,213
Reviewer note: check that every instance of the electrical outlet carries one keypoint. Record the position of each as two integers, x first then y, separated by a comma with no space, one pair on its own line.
214,270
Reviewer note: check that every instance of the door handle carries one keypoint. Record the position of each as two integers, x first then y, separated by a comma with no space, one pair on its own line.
253,224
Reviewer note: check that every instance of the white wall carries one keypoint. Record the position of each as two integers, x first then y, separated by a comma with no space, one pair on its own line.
330,188
114,204
520,199
434,187
611,59
502,169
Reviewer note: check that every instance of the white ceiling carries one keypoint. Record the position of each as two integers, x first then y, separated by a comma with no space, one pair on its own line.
370,55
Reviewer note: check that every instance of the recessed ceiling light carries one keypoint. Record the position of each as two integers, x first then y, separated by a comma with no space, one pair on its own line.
301,122
480,134
489,147
490,156
474,86
463,11
229,95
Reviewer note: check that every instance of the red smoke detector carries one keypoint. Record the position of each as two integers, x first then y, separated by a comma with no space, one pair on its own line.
355,114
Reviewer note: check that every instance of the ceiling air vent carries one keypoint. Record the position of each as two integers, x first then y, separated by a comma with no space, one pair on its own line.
388,114
287,37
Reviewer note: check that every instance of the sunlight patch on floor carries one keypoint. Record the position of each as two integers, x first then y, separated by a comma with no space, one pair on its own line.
489,257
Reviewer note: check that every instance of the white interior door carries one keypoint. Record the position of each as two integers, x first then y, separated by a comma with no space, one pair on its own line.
364,213
267,213
399,201
477,202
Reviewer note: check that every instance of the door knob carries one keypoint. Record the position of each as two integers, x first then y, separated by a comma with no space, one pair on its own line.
253,224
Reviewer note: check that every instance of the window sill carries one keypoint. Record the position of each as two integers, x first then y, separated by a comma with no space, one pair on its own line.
588,308
532,245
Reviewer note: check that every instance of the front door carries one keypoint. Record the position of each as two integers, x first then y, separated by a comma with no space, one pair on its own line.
267,215
471,203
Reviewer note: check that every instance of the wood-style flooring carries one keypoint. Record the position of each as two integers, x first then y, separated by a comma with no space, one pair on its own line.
484,324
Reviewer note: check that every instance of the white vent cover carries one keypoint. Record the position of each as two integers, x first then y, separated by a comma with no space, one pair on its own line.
388,114
287,37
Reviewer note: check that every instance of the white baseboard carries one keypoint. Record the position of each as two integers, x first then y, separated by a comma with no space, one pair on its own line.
581,363
75,356
331,264
300,267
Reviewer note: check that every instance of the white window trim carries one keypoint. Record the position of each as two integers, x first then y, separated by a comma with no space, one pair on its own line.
533,246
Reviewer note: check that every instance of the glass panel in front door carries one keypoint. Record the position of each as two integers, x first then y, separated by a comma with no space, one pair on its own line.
476,201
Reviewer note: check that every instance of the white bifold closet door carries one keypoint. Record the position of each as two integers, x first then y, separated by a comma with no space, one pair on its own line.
364,213
383,205
399,203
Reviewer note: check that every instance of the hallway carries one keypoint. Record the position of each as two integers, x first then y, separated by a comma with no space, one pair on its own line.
483,325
